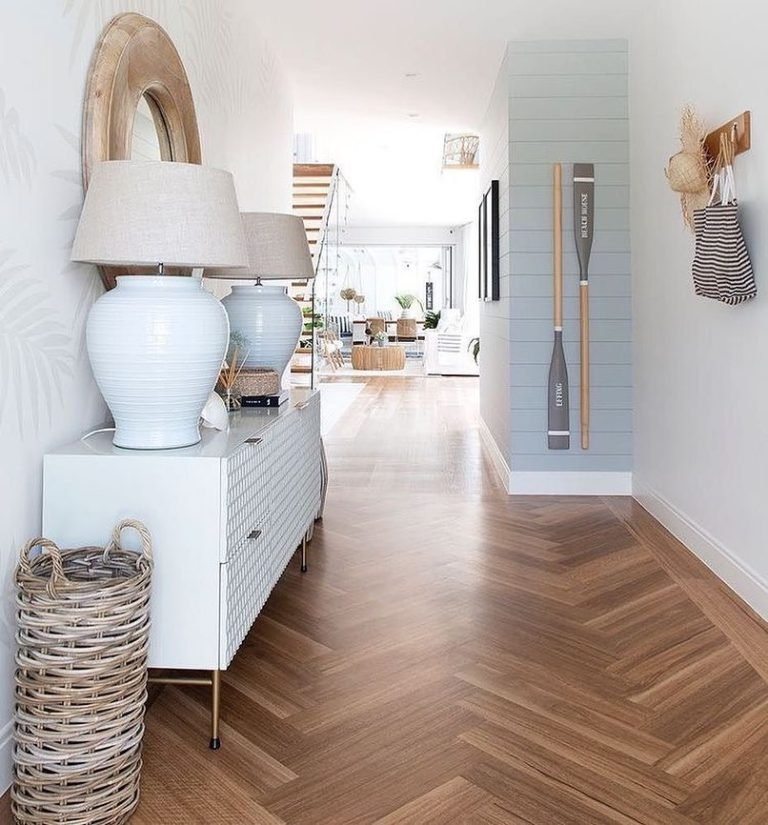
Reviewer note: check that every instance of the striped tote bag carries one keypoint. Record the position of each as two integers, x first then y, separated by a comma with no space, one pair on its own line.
721,265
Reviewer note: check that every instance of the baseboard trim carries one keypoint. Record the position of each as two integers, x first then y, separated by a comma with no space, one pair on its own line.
6,756
497,459
744,581
570,484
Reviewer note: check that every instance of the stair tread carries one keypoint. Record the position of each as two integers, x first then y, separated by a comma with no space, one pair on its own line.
313,169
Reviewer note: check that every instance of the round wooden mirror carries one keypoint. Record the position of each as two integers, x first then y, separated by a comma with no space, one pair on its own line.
138,102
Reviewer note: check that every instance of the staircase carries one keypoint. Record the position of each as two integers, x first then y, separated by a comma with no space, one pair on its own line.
314,190
313,185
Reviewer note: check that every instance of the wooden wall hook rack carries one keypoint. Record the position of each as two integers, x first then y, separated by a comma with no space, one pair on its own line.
739,128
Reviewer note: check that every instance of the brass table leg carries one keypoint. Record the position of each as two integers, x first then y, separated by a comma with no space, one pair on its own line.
215,708
214,682
304,555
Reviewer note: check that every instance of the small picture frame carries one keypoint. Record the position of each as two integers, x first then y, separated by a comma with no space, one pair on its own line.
488,245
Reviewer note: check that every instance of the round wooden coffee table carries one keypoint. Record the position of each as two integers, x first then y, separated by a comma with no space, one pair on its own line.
389,357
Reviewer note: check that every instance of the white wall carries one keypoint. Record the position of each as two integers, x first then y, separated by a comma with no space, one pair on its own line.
701,397
494,316
47,394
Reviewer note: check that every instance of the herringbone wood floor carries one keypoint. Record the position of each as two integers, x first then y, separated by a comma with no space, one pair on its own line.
456,656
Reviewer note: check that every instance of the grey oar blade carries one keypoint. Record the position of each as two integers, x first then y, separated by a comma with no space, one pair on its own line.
584,213
558,430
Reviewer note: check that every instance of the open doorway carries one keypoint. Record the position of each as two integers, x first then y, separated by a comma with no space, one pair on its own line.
406,300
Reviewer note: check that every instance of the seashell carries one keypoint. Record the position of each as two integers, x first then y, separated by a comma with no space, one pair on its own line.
214,414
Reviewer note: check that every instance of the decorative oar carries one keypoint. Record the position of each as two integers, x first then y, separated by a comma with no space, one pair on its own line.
583,228
559,432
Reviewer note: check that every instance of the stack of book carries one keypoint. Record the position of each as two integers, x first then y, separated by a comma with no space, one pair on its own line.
264,400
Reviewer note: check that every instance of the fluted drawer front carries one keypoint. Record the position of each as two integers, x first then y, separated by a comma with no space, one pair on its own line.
247,580
247,500
295,471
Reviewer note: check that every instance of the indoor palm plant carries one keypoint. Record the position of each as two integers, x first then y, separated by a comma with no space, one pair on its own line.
406,302
431,319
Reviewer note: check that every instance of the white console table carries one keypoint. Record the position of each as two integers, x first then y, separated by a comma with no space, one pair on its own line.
225,516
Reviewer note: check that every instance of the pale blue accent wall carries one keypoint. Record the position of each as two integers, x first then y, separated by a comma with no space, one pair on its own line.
567,102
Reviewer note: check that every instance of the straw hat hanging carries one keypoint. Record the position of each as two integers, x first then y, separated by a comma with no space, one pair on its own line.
688,170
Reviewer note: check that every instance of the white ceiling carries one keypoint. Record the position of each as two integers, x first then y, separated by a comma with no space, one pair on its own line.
348,61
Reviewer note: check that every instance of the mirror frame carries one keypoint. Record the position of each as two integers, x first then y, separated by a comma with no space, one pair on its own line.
135,56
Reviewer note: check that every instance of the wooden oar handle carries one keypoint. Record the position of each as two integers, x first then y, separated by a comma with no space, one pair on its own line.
557,225
584,352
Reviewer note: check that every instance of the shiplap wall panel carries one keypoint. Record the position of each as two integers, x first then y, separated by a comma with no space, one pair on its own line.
532,286
601,263
533,241
540,174
539,352
531,220
540,197
600,308
568,104
601,375
526,329
603,398
578,108
571,87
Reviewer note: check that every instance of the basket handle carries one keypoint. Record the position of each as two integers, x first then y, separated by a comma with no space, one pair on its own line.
144,535
57,568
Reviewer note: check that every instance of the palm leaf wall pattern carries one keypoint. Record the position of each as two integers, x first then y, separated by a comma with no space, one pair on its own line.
17,157
35,349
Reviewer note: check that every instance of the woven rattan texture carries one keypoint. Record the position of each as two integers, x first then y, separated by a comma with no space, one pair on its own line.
81,681
257,382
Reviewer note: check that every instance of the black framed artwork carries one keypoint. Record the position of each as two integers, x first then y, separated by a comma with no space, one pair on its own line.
491,276
488,245
481,235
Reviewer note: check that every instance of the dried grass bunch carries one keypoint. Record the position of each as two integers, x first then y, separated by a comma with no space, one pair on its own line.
239,347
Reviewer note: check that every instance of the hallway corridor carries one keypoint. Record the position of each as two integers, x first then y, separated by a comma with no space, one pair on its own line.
454,655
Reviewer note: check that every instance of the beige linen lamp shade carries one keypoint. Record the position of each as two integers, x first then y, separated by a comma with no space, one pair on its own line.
139,213
277,248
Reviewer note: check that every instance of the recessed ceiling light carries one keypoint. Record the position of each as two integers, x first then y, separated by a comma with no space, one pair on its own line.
412,74
413,114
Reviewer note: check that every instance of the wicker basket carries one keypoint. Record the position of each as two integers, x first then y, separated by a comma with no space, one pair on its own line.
258,382
81,681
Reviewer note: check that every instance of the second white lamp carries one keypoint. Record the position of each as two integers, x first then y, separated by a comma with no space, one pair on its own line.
266,316
156,342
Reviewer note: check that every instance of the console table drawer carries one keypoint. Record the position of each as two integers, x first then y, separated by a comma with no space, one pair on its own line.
247,502
246,580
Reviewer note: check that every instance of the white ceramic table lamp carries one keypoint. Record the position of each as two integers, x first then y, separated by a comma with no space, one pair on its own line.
266,316
156,342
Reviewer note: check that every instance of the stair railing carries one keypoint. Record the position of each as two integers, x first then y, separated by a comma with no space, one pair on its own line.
330,231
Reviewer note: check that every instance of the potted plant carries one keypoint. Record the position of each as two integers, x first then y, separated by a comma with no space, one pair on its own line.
431,319
406,304
380,338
